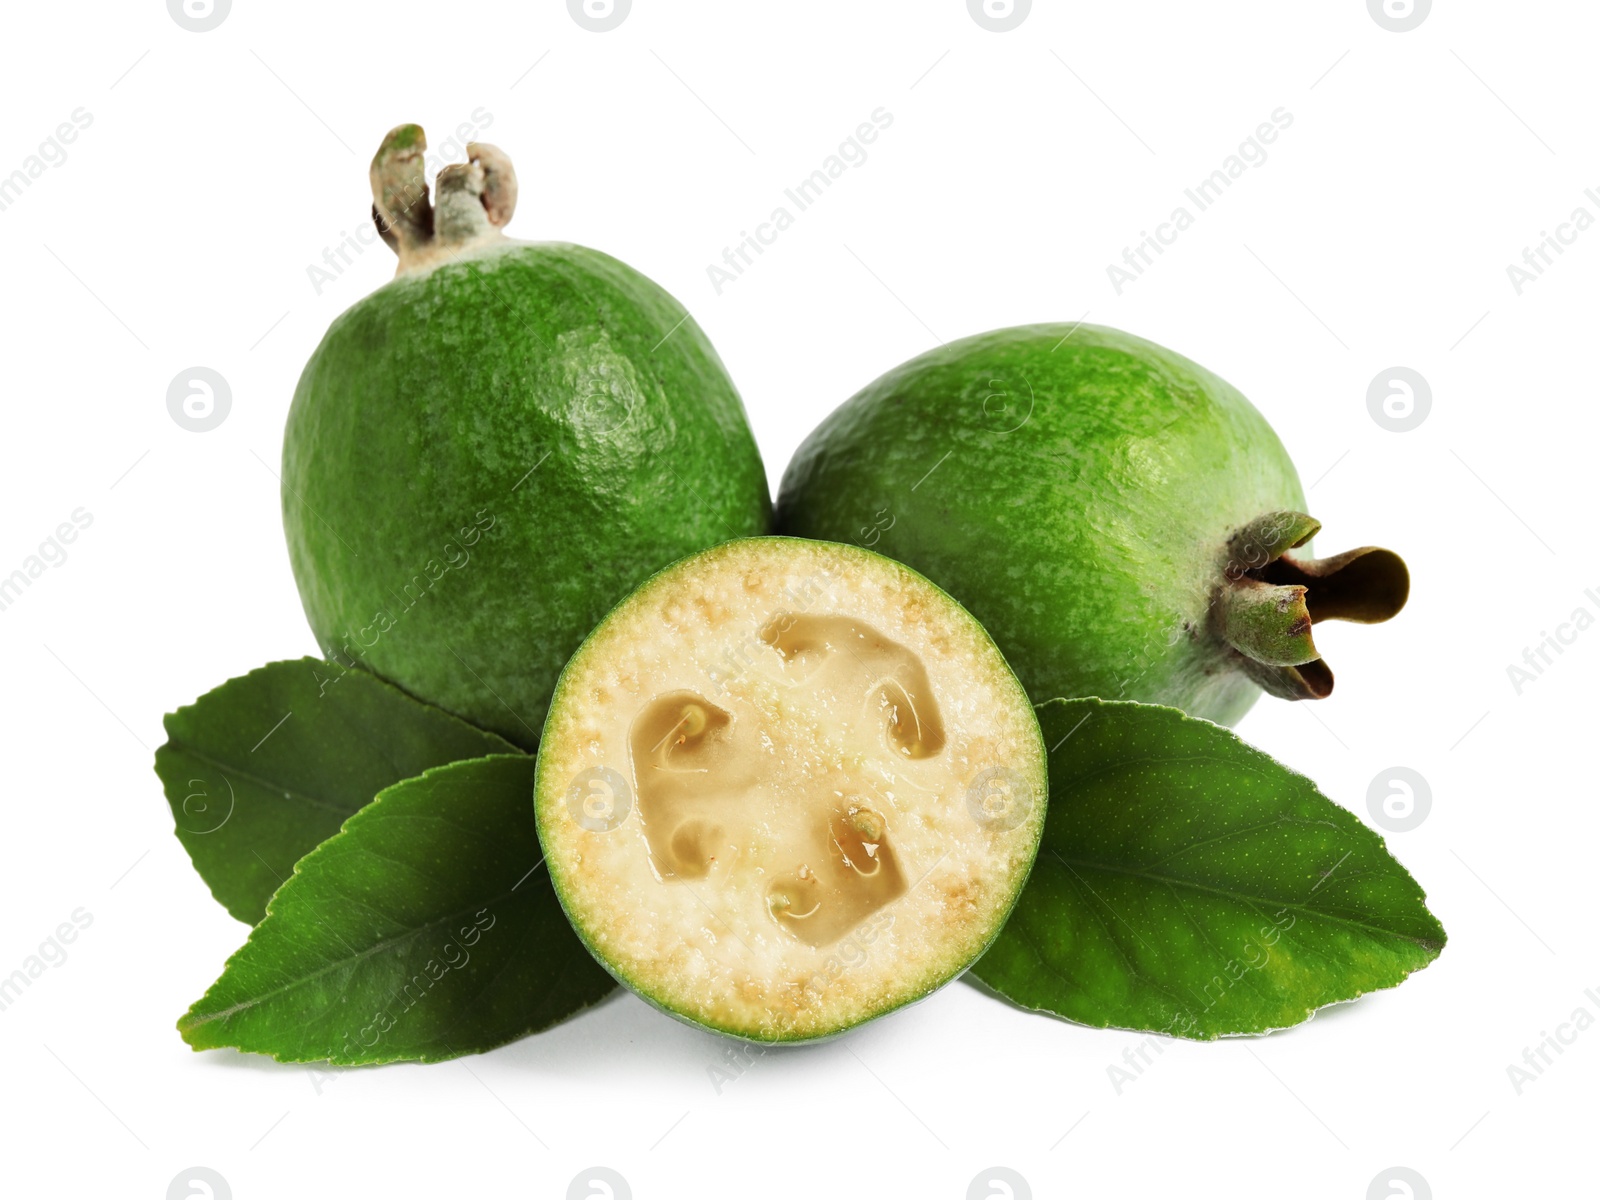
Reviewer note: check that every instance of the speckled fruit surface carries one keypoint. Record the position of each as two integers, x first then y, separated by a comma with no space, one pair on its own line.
1090,496
490,451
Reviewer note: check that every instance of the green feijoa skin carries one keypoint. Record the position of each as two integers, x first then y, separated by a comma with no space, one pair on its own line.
786,787
1123,522
490,451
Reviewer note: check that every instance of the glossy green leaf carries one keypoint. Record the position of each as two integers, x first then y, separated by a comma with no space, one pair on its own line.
261,770
426,929
1191,885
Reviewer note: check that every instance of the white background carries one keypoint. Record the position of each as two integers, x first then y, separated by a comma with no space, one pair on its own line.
219,165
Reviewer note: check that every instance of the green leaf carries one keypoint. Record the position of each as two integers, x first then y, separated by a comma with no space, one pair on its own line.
1189,884
261,770
426,929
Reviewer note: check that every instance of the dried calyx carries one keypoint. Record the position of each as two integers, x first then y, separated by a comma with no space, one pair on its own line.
474,199
1269,600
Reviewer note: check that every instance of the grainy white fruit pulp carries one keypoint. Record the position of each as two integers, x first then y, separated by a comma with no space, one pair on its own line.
788,786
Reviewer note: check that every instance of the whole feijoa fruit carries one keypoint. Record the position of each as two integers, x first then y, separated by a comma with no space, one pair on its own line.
1122,521
490,451
788,786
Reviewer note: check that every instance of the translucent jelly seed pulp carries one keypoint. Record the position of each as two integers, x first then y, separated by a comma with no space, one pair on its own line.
697,768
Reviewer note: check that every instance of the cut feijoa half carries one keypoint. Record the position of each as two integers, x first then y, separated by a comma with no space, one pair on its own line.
788,786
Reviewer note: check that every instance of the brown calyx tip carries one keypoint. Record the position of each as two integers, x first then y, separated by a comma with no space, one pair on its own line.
499,192
400,188
473,200
1269,600
1307,681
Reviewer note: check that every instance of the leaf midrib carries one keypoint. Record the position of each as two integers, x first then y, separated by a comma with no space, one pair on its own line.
1174,882
182,746
1132,762
301,980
